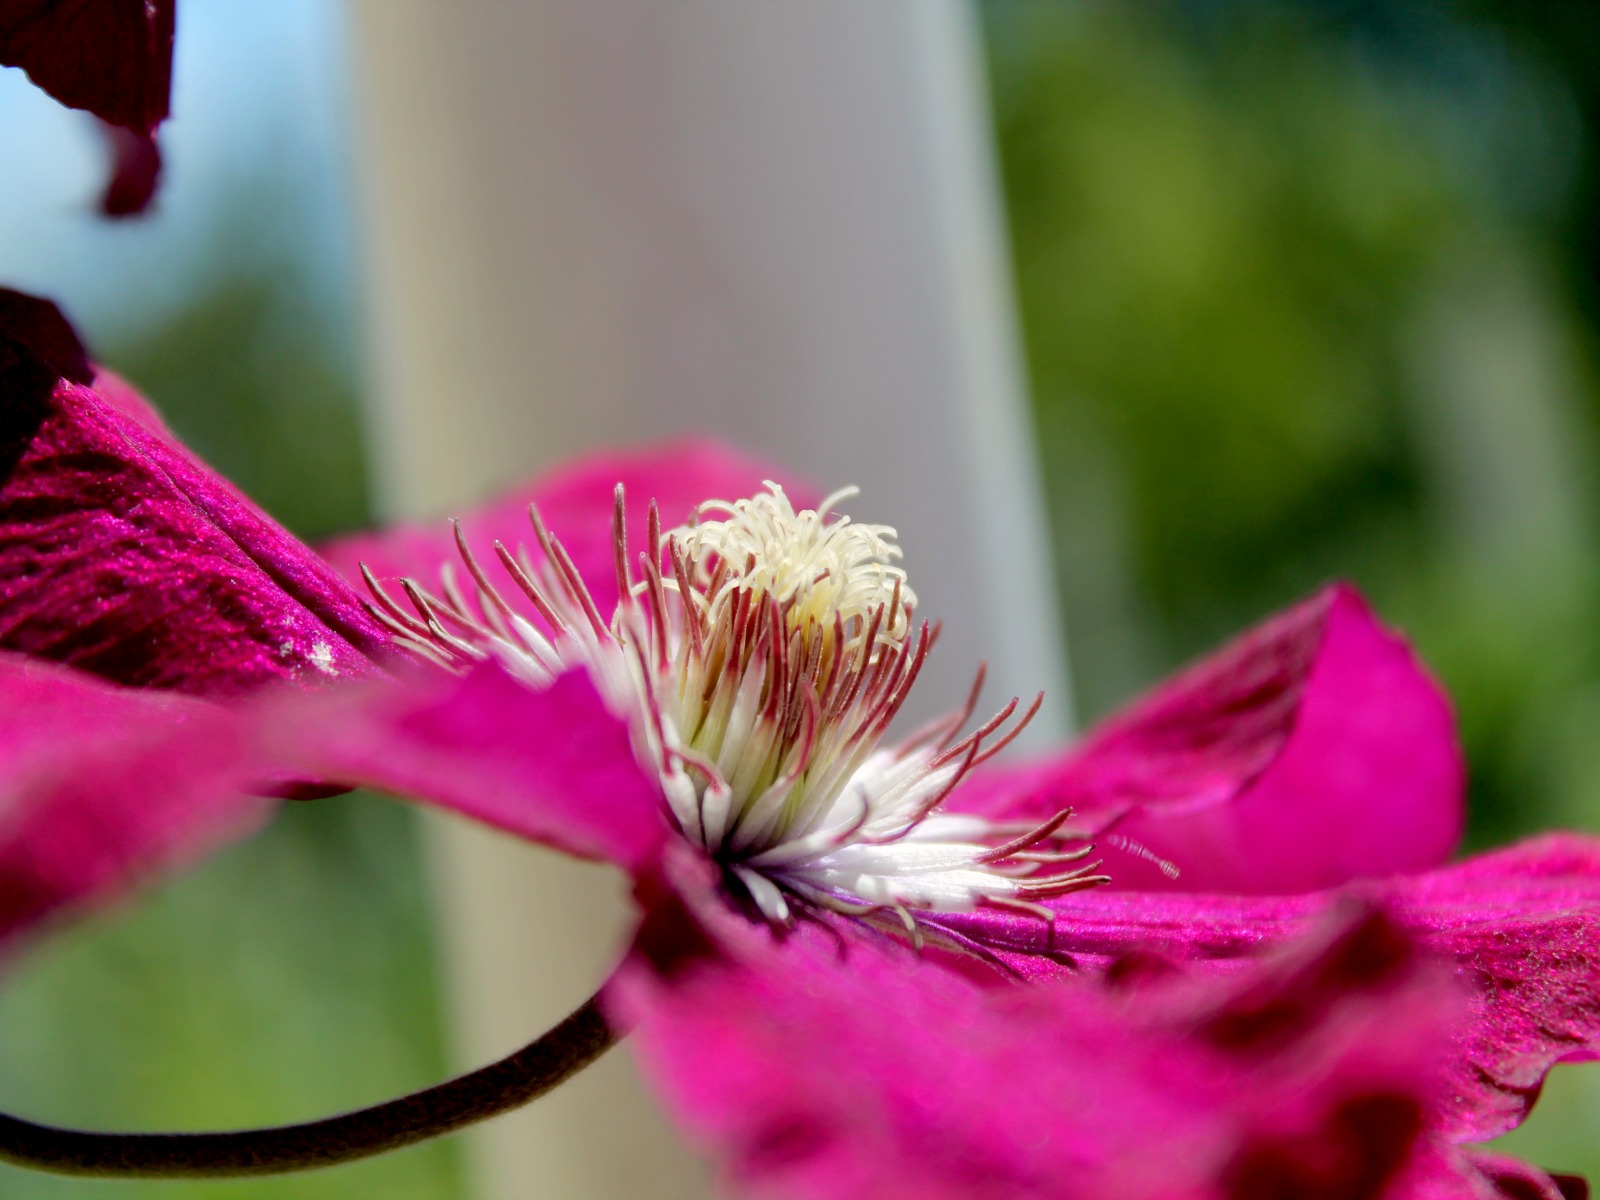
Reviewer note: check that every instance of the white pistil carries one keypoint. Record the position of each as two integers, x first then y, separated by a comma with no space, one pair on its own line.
759,655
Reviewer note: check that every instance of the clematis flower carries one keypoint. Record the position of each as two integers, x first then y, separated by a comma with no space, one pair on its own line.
112,58
866,965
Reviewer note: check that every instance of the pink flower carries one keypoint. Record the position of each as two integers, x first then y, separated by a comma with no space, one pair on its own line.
1333,1014
112,58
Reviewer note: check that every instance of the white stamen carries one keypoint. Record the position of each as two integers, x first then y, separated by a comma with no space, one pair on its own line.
759,654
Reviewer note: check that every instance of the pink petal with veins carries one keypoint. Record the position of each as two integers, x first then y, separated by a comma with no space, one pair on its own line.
1522,926
551,765
1313,750
123,554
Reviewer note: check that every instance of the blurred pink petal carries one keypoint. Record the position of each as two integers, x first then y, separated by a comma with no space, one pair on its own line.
101,785
135,171
575,502
553,766
1312,750
1481,1176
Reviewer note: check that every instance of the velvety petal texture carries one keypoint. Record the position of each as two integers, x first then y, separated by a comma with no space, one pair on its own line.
576,504
850,1071
1480,1176
99,785
1522,926
123,554
112,58
553,766
1313,750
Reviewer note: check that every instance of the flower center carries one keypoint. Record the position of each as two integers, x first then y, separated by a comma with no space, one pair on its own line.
760,654
788,651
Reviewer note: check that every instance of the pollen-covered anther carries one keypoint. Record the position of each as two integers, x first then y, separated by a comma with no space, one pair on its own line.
760,654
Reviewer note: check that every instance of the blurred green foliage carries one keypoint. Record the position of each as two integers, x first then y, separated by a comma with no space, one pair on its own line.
1280,330
291,976
253,385
1304,296
285,979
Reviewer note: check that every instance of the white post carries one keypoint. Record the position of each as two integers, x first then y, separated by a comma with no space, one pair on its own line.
604,221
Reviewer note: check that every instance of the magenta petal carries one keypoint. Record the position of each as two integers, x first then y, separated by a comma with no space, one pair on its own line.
135,171
1484,1176
818,1071
124,555
576,504
1522,925
112,58
553,765
38,342
1313,750
100,785
125,398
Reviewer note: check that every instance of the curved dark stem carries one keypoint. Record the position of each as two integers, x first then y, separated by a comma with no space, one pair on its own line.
499,1087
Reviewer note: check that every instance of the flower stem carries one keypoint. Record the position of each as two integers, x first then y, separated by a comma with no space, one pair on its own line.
499,1087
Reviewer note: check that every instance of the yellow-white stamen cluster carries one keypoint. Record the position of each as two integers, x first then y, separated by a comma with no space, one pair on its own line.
760,654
